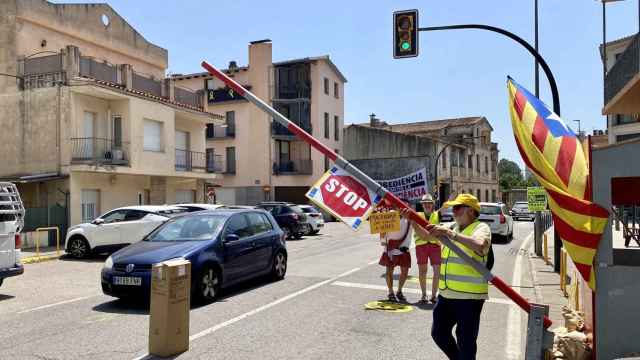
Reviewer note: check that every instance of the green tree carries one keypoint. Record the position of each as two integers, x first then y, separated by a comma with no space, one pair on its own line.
510,175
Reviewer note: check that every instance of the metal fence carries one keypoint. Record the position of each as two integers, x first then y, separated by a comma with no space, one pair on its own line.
215,164
625,68
43,71
98,150
145,84
98,70
293,167
184,96
187,160
55,215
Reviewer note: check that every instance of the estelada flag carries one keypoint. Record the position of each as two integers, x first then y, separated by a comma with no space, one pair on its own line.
554,155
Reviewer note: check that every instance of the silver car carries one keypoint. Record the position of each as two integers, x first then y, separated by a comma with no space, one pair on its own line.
315,219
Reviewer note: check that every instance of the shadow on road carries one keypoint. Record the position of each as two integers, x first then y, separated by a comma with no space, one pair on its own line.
92,259
6,297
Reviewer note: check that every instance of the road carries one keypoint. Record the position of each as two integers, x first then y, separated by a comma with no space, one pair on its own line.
56,310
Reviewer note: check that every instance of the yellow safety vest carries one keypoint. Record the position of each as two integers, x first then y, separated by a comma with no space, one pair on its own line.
434,218
456,274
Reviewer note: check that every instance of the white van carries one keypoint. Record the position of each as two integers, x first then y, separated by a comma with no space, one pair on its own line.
11,223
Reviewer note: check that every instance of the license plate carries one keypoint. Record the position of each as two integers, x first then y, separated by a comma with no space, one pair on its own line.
127,280
320,224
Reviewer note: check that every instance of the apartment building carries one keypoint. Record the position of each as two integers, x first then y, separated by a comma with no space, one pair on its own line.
89,121
259,159
622,88
464,159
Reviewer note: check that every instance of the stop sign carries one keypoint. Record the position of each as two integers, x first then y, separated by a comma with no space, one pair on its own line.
345,196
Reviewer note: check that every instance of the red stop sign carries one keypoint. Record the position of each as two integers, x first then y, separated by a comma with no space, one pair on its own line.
345,196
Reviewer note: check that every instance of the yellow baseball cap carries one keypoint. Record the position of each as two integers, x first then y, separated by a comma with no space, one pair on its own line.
464,199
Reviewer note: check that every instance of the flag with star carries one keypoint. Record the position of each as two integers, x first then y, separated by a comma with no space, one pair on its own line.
554,154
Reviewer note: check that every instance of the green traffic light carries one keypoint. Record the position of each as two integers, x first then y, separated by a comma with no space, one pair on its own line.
405,45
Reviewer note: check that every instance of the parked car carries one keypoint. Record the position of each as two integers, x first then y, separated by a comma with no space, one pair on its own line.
498,219
224,247
446,215
116,229
11,223
289,216
520,210
199,207
314,219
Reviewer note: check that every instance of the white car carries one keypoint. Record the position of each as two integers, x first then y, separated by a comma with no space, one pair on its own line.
315,219
11,223
497,217
199,207
116,229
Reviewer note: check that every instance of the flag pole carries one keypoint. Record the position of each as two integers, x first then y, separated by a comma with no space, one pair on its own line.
369,183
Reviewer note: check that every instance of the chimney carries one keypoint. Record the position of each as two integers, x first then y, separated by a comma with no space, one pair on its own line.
373,122
233,66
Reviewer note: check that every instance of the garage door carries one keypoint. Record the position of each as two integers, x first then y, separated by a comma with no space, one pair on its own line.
185,196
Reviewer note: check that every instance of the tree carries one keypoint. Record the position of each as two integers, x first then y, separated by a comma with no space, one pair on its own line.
510,175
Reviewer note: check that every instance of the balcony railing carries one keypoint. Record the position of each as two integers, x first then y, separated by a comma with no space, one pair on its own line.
293,167
43,71
221,132
98,70
188,97
625,68
215,164
100,151
279,130
187,160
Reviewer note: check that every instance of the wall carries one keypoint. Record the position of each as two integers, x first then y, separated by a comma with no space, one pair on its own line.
81,25
618,286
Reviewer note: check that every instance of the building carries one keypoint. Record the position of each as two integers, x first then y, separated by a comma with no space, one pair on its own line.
465,159
90,123
260,159
622,89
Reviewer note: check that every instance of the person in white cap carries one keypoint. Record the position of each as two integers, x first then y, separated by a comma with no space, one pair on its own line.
428,250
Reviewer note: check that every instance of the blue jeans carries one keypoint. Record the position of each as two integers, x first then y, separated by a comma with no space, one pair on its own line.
465,315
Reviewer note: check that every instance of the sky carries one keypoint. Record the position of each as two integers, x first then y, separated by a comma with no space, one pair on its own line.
458,73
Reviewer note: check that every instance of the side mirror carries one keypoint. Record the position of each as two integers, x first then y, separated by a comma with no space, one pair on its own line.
230,238
98,221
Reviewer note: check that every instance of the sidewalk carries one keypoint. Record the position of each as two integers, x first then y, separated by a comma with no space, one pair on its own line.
546,282
46,253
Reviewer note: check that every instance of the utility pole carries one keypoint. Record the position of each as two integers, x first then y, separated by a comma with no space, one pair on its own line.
537,70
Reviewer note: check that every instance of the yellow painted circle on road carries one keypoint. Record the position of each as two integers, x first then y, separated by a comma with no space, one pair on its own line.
388,306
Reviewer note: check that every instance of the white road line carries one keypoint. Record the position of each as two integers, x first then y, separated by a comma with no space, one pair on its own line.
514,320
408,290
261,308
56,304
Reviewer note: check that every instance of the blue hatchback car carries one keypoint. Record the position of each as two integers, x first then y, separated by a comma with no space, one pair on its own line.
224,247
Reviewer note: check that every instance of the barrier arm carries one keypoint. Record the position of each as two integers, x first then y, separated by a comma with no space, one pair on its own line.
368,182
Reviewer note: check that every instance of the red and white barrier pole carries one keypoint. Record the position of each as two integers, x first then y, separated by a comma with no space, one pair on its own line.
368,182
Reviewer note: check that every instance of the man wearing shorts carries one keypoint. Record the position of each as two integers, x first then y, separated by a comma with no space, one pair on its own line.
428,251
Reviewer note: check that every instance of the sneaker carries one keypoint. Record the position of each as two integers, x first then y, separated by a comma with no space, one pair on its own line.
401,297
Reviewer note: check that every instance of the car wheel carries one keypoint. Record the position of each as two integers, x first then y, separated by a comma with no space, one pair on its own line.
208,285
279,266
78,247
298,235
287,233
1,280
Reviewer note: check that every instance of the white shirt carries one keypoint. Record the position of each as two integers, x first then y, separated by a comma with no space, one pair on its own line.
397,235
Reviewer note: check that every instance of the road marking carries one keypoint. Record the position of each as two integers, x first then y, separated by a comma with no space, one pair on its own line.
261,308
514,319
56,304
408,290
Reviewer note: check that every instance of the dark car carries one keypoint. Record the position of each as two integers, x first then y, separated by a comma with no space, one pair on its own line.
520,210
224,247
290,217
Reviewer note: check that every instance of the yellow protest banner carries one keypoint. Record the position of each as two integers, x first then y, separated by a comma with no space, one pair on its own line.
384,222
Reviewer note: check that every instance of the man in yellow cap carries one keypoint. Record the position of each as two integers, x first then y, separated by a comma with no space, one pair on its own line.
463,290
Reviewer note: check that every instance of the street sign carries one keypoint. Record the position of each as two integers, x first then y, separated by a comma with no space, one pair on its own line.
384,222
537,198
344,197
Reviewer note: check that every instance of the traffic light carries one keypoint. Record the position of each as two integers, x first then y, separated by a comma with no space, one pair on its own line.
405,34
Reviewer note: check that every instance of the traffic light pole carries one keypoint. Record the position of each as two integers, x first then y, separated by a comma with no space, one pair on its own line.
370,183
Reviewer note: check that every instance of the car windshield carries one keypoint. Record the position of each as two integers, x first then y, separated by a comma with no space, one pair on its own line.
296,209
490,210
448,211
521,205
172,212
189,228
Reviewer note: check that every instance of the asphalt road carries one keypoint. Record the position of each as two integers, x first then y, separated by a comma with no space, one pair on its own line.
56,310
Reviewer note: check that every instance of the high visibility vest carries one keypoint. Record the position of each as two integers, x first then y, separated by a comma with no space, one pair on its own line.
434,218
456,274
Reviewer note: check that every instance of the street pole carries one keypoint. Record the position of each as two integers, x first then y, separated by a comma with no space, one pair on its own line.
373,185
537,69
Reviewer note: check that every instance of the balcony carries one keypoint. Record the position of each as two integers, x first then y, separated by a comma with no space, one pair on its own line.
278,130
215,164
293,167
622,82
216,132
99,151
188,97
187,160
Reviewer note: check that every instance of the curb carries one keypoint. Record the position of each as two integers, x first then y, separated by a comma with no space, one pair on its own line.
38,259
537,290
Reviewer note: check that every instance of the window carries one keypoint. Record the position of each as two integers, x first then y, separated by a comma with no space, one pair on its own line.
117,131
478,193
478,164
231,123
231,160
493,196
336,88
210,131
470,162
133,215
114,216
188,228
454,157
185,196
462,156
152,135
444,159
326,86
258,223
90,201
238,225
486,195
336,128
493,166
486,165
326,125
